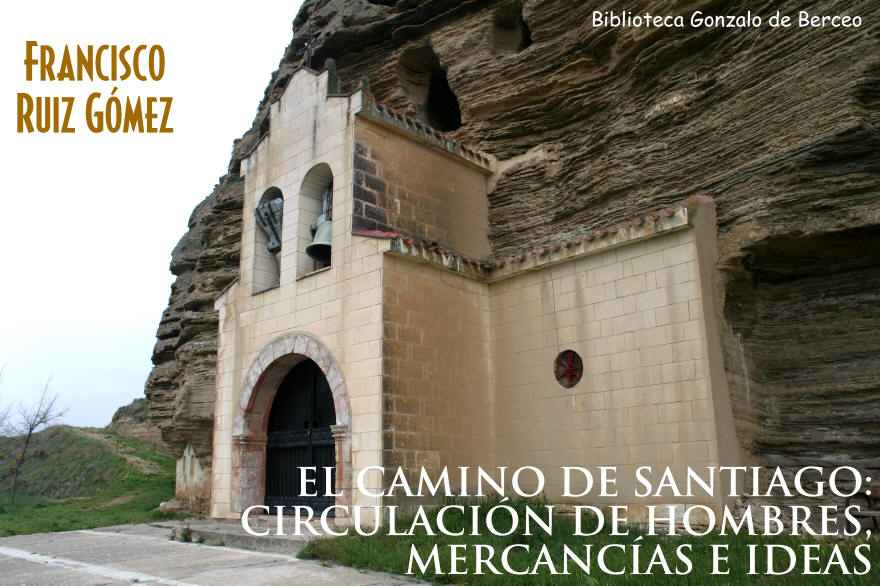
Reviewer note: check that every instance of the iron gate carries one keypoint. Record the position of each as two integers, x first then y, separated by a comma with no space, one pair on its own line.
299,435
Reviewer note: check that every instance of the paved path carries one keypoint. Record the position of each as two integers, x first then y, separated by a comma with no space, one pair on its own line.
144,554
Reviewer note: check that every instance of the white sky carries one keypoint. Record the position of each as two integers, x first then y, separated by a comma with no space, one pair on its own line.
88,221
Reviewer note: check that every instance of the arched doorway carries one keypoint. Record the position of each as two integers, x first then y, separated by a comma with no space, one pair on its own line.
262,384
299,435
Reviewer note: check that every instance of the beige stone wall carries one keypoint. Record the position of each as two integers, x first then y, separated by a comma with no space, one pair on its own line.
635,314
437,391
632,303
406,185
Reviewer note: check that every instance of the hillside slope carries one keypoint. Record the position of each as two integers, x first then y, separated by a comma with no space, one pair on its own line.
76,478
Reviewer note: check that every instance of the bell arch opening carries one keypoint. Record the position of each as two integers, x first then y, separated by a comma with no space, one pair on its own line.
315,220
267,240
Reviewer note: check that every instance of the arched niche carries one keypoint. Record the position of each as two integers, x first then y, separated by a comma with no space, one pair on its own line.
312,192
267,264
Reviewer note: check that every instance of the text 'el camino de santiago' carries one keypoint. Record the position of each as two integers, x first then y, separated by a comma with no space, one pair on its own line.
105,109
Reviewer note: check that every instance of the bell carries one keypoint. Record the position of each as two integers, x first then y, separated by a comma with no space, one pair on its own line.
319,249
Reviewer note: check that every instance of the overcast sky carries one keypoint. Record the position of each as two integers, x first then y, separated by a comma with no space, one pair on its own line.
88,221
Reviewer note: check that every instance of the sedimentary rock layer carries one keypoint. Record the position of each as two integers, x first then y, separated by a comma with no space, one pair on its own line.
181,385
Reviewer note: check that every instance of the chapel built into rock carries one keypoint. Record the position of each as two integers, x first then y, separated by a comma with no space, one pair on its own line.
408,345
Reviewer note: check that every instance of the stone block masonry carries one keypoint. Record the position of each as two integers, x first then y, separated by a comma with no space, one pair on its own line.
632,302
437,406
634,315
414,187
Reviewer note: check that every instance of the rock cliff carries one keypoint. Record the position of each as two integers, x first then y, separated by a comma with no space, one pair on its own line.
133,420
596,125
180,387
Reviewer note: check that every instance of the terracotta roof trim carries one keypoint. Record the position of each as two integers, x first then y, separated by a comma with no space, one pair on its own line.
663,220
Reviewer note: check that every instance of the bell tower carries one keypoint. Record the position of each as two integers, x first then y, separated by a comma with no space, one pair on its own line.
330,188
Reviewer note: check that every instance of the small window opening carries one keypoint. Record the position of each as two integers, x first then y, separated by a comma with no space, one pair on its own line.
568,368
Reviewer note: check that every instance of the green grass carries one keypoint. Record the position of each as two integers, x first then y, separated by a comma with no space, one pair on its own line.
138,410
388,553
73,481
62,463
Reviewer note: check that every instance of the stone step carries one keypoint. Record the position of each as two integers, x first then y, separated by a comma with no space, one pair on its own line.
232,534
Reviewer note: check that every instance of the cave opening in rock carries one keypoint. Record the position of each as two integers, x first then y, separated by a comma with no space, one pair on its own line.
424,80
442,109
511,34
803,348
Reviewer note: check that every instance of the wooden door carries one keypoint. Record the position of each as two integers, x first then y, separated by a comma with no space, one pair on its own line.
299,435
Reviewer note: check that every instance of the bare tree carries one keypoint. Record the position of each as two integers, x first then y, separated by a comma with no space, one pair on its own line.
29,421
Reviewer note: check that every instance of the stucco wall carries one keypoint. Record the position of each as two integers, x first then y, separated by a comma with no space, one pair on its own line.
192,481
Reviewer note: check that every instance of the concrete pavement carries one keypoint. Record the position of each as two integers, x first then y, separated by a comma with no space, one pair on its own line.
144,554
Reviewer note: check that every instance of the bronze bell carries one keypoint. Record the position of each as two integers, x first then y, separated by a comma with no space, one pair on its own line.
319,249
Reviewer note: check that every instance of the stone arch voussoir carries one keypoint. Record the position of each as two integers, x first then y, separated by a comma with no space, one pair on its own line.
269,368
